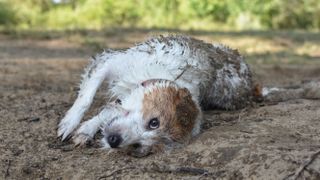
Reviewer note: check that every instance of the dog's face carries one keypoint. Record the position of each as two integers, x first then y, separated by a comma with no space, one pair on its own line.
157,116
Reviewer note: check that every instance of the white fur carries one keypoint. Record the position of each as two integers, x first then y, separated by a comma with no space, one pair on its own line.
266,91
89,128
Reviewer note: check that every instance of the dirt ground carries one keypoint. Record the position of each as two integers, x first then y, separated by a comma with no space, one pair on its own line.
38,83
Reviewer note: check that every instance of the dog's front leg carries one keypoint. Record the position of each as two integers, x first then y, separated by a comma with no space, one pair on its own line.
92,79
89,128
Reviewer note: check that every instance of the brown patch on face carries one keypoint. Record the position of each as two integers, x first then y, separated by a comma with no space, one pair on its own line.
175,110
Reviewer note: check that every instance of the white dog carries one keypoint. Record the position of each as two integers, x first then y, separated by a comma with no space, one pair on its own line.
161,86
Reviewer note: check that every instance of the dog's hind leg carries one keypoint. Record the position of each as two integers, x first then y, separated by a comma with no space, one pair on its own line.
96,72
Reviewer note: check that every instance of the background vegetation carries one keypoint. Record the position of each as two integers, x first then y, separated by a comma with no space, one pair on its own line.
182,14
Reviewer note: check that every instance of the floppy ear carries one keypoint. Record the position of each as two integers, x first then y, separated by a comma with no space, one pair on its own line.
186,109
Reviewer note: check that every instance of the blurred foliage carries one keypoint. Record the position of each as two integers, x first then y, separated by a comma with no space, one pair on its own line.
185,14
7,15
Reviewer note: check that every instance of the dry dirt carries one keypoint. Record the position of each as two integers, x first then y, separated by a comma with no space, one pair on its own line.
38,83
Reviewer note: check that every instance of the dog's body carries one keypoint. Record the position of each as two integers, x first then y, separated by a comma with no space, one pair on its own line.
161,86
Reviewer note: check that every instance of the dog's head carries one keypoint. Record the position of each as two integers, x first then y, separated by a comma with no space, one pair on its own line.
158,115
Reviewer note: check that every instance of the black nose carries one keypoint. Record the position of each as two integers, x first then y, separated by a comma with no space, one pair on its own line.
114,140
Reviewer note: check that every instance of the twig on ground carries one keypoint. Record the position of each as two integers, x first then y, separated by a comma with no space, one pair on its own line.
200,172
115,172
29,119
243,110
168,169
175,169
297,173
7,173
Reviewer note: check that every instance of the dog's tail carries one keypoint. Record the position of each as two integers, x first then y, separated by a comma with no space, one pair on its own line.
306,90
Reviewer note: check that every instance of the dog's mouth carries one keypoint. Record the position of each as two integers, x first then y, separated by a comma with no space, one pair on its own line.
138,150
136,145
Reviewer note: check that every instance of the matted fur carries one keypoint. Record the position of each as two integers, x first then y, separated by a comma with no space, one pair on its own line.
191,74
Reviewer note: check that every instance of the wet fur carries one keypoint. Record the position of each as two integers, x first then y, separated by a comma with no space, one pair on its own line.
197,76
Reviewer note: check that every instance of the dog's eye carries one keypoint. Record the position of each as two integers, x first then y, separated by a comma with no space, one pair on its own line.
154,123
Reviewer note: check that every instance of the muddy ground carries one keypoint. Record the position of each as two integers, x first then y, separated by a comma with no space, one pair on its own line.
38,83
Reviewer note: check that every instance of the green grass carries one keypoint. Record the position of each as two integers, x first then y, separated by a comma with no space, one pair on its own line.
258,47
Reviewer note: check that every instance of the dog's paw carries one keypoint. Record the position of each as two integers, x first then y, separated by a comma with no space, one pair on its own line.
81,139
66,126
85,133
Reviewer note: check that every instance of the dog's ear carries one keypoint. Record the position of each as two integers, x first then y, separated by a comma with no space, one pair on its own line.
186,114
186,109
184,92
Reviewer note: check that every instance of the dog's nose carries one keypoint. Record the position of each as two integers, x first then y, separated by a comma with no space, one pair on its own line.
114,140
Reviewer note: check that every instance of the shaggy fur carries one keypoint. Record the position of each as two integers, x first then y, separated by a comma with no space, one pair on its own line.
170,79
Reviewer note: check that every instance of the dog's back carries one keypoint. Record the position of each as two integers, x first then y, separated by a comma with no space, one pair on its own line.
216,76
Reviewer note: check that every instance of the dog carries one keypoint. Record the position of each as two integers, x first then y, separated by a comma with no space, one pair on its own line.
160,87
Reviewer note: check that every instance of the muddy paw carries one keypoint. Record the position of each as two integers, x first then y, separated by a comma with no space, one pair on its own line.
81,139
66,127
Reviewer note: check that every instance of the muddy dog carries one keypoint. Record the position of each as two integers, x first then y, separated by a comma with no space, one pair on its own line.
161,87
